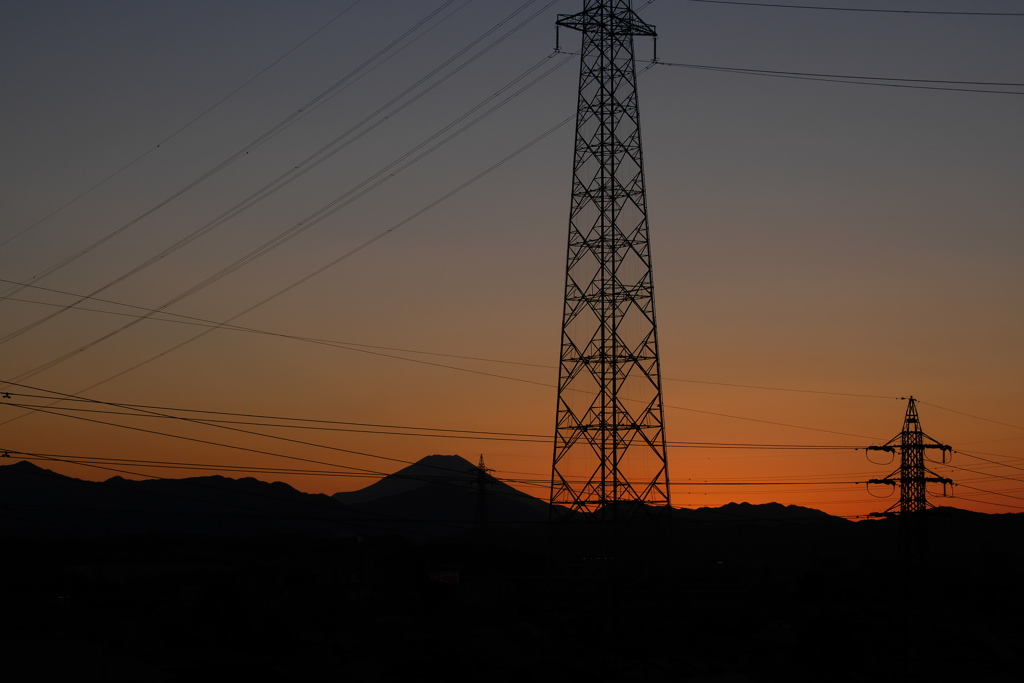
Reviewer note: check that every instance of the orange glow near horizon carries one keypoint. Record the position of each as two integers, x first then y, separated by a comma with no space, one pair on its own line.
720,459
820,249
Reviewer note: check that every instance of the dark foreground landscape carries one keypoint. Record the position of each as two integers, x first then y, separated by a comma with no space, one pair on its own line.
418,577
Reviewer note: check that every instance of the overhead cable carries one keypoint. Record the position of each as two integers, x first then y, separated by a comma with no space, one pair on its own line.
321,155
914,83
984,419
774,5
182,129
323,97
315,218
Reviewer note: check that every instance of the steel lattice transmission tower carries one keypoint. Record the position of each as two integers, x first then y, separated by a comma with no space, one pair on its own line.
609,435
912,476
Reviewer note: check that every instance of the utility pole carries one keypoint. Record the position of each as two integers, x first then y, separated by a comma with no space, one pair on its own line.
609,445
482,516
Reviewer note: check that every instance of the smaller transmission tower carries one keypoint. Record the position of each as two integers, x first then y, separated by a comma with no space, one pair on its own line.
912,477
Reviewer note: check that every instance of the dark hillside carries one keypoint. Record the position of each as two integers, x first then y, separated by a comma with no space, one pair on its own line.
210,578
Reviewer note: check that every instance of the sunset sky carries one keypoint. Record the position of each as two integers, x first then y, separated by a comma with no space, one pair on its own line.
823,244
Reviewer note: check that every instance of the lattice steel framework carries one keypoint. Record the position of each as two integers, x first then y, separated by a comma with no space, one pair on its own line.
912,475
609,435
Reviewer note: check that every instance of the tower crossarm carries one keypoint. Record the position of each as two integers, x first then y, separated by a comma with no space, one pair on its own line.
895,481
936,479
620,20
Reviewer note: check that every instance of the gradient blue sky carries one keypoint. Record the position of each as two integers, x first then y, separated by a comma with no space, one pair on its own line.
825,238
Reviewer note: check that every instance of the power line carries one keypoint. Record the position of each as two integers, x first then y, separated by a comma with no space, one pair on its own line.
349,346
994,462
801,391
427,431
764,446
842,76
224,445
343,257
545,384
232,446
289,176
199,466
300,227
984,474
913,83
243,448
260,451
154,411
182,128
433,432
446,477
769,486
488,374
687,484
182,319
468,370
282,125
859,9
990,502
770,422
150,313
994,493
984,419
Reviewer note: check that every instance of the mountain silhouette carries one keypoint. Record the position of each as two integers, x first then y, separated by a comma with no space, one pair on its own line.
38,501
441,495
